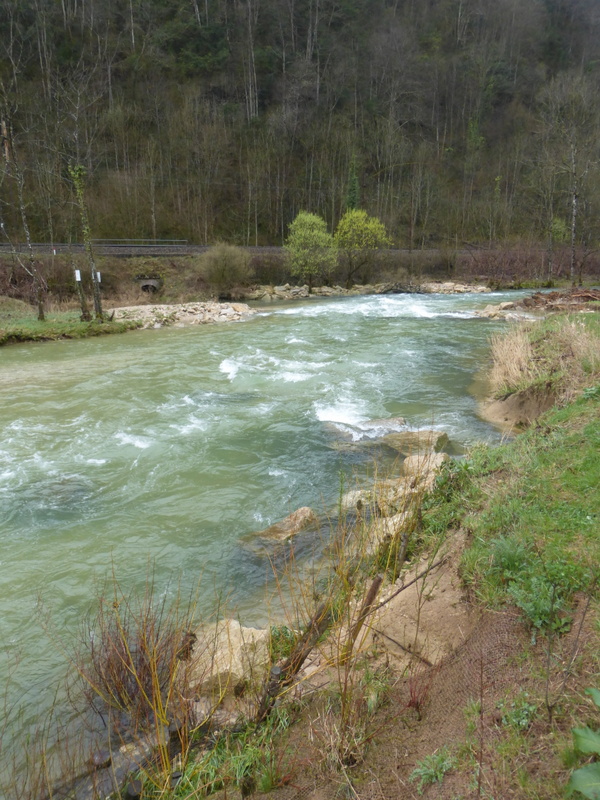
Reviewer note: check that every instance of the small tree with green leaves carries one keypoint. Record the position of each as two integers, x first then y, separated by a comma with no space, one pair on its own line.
360,239
310,248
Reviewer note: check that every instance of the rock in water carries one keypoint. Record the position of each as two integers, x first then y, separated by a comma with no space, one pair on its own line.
290,526
408,442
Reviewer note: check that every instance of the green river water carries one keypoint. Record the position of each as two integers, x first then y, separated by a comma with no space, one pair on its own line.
168,447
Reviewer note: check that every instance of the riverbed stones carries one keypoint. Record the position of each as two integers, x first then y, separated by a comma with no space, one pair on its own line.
183,314
452,287
230,656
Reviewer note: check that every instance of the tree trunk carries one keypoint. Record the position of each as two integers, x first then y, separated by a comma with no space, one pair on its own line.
574,202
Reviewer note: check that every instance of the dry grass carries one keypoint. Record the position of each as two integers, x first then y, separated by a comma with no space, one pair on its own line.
561,353
512,360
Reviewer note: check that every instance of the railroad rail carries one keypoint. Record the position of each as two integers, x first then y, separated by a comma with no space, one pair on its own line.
125,247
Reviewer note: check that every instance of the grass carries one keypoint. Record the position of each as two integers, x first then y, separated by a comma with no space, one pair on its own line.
531,507
15,326
532,512
557,355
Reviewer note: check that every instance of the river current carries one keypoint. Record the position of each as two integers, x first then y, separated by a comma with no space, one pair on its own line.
165,449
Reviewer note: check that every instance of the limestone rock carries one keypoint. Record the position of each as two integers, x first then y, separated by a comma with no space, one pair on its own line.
395,496
226,656
451,287
295,522
385,528
356,500
407,442
386,498
424,465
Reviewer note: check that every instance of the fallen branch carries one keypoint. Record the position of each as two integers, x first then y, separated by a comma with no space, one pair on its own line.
410,583
402,647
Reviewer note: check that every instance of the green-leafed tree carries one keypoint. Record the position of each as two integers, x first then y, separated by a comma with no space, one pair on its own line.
310,248
360,239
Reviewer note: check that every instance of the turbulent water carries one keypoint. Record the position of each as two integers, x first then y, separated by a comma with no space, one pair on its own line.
166,448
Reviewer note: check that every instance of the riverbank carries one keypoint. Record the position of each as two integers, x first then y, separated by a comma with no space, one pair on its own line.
18,322
468,668
512,608
470,684
373,683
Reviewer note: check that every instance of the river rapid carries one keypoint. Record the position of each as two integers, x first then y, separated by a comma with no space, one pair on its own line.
163,450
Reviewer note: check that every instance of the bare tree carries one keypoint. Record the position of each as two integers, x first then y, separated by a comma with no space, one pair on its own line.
13,169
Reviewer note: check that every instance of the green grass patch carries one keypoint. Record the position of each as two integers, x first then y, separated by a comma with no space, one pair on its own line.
532,510
65,325
245,760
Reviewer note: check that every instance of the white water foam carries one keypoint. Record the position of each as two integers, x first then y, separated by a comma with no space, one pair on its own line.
344,412
295,340
230,367
137,441
193,424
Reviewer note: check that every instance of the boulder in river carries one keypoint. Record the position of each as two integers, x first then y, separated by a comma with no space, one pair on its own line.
295,522
408,442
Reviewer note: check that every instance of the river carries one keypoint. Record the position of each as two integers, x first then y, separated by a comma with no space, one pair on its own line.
163,449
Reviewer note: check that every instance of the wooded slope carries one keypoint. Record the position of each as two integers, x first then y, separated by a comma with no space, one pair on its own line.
463,120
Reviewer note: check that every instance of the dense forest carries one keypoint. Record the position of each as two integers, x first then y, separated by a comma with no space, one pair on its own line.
461,120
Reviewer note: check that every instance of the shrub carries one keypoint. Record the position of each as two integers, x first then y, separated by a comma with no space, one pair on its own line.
225,266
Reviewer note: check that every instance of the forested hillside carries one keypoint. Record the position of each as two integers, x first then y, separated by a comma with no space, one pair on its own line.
463,120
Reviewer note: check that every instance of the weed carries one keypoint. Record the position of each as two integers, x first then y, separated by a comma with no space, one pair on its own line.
433,768
281,642
419,686
591,392
586,780
519,713
472,715
542,604
375,685
509,557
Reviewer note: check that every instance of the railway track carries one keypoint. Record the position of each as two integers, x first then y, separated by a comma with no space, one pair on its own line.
127,248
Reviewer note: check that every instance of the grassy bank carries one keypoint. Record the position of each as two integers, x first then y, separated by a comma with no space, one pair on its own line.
18,323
